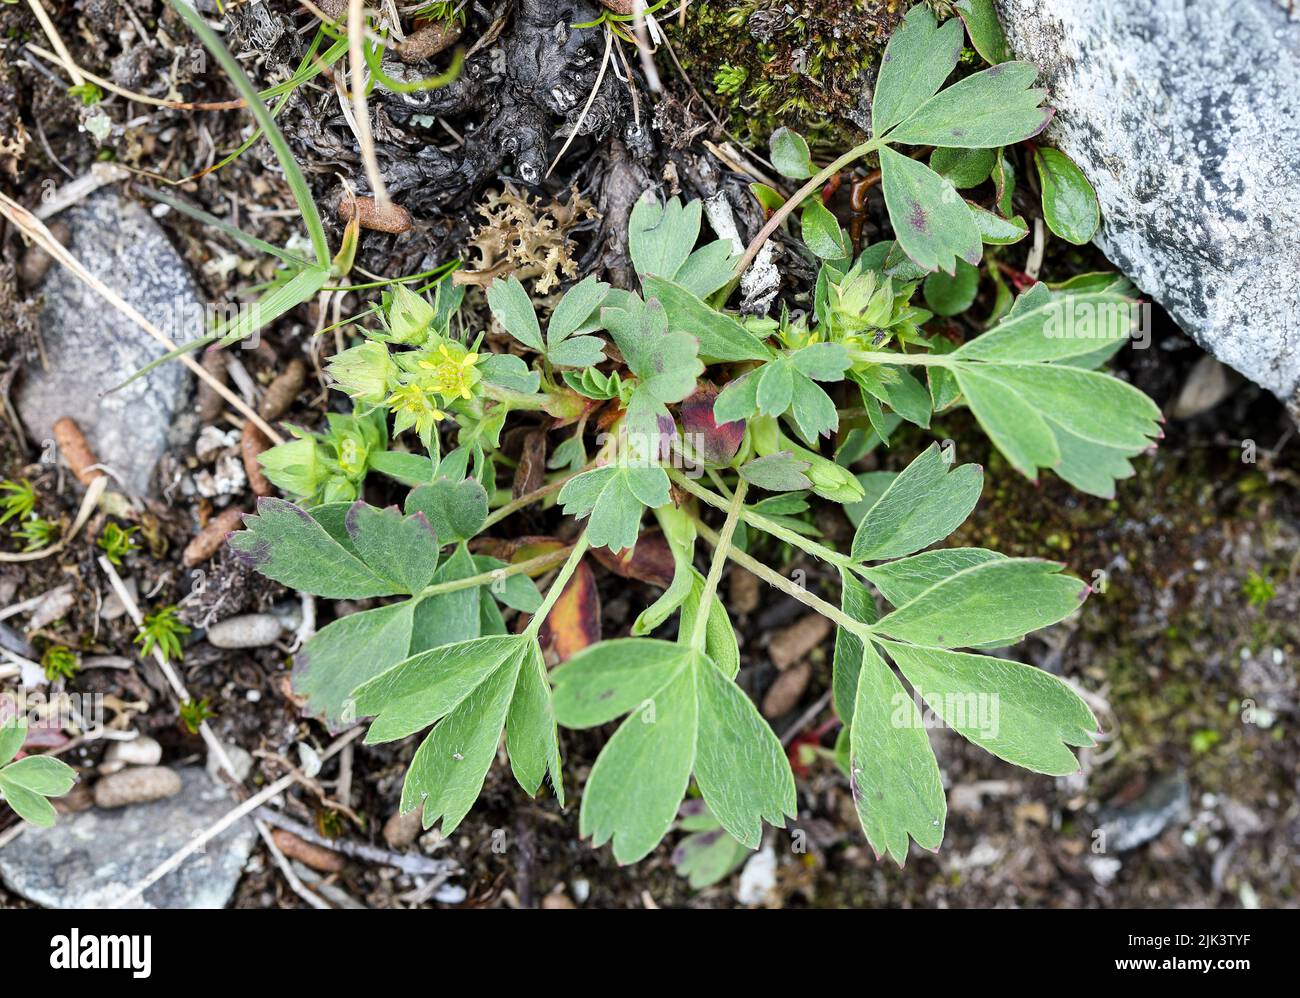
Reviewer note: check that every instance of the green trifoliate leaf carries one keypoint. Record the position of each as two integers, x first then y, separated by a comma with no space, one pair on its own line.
933,225
917,60
404,550
685,715
285,544
987,110
615,498
1082,424
790,155
963,167
469,691
575,312
660,237
1028,717
893,774
903,580
347,652
1070,205
996,601
454,510
720,336
27,783
924,504
513,308
985,30
666,367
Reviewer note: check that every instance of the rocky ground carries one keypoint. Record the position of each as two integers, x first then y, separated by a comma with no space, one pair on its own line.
1187,652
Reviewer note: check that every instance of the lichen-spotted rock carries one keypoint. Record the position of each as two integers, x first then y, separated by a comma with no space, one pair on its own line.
91,347
1184,116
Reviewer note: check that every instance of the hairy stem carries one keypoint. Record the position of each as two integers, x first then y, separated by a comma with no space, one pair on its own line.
760,522
772,578
795,200
527,499
891,357
539,564
557,587
723,545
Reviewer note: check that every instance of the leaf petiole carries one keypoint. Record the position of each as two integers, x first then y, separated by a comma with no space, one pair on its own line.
760,522
722,547
557,587
772,578
539,564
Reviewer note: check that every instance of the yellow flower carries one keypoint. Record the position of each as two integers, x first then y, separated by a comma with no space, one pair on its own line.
452,374
412,406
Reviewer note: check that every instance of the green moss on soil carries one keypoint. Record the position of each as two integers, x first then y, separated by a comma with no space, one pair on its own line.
766,63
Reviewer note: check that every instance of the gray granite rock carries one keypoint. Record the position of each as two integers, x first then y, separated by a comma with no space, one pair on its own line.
1185,114
91,857
92,347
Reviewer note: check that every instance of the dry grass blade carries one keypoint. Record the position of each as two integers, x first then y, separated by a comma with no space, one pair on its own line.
591,99
34,228
357,80
139,98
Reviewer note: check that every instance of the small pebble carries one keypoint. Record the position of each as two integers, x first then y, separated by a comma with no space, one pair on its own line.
239,758
36,263
792,644
208,541
252,442
248,630
401,830
389,218
136,786
308,853
784,694
142,751
743,590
